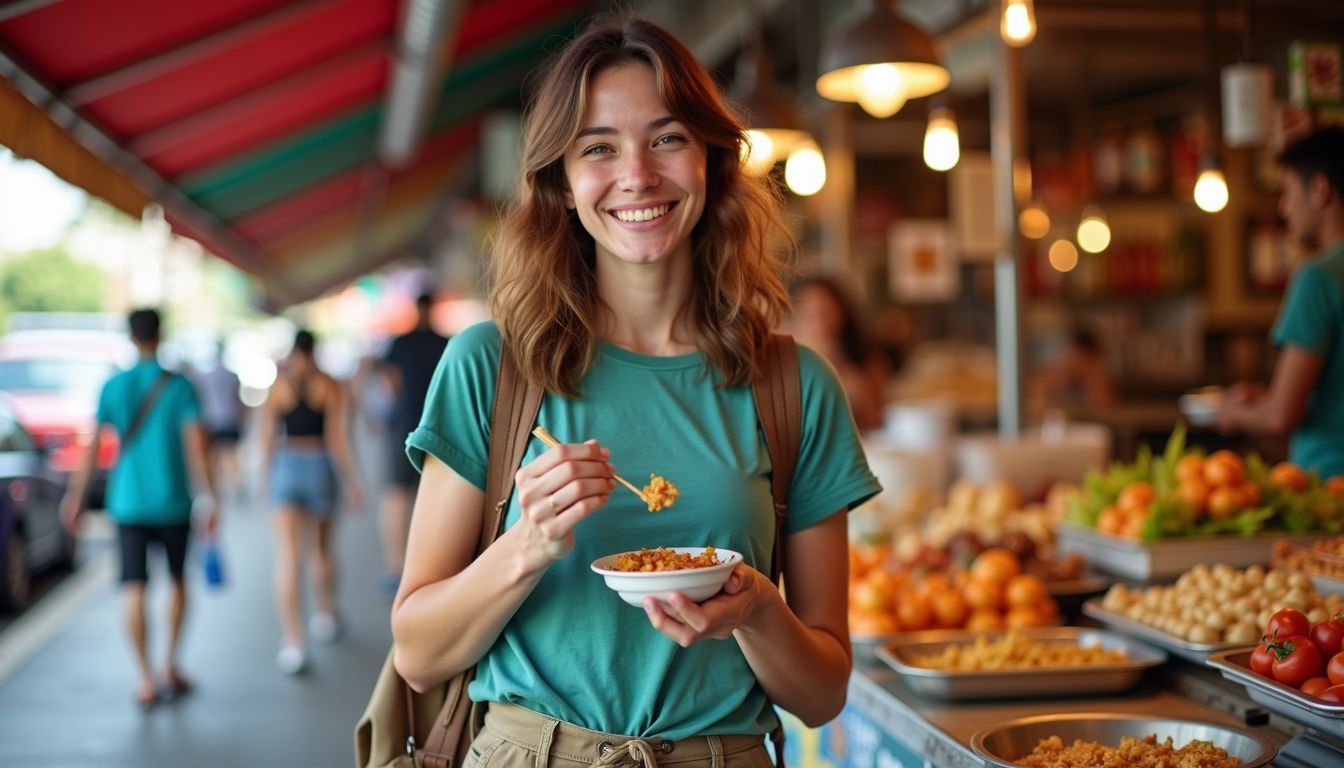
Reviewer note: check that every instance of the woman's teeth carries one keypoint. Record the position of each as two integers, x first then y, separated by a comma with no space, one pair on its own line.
644,214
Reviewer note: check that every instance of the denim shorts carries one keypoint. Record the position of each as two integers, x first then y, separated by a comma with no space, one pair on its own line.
304,479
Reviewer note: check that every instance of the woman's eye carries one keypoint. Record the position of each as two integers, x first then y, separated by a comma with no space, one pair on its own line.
671,138
597,149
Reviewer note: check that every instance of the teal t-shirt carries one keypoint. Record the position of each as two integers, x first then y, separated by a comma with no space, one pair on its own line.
148,485
1312,317
574,650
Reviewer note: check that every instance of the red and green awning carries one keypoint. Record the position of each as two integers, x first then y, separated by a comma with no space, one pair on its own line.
255,122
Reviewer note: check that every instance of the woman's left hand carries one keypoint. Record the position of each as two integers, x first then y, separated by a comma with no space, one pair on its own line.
686,622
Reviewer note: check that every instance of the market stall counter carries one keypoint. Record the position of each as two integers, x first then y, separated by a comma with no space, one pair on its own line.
886,725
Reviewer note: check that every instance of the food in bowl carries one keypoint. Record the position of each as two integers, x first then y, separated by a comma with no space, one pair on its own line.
664,559
660,493
697,584
1132,753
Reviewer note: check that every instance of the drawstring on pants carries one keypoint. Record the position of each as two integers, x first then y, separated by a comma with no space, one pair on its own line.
637,750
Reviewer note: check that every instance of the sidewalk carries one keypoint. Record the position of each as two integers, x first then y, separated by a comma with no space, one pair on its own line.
70,704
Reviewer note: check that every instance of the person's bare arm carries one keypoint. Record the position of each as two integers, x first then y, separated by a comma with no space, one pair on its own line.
450,608
798,650
72,504
196,444
336,437
1281,407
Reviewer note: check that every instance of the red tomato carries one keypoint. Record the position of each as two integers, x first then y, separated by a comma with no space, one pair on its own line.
1262,659
1315,685
1328,635
1333,695
1296,660
1287,622
1334,669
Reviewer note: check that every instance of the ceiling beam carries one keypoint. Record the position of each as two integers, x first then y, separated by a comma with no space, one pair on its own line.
427,27
93,138
172,59
21,7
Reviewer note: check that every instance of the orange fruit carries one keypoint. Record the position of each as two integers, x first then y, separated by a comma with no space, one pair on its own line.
1136,495
983,594
984,620
1224,502
1335,485
1023,616
1288,475
1219,470
1133,527
873,623
856,565
1250,494
949,608
874,593
996,564
1195,493
1190,466
1025,589
913,612
1111,521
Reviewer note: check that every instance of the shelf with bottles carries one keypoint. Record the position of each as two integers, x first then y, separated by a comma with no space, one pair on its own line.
1128,269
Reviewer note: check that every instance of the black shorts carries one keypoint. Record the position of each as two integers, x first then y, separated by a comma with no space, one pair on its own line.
134,542
228,436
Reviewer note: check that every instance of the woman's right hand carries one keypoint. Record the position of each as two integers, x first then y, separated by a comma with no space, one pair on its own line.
557,490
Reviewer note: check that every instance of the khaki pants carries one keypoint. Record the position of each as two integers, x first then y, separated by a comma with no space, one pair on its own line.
514,737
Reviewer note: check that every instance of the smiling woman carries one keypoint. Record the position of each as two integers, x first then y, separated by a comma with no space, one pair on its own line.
636,280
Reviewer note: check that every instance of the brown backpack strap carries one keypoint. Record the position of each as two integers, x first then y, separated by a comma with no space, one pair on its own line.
779,406
516,404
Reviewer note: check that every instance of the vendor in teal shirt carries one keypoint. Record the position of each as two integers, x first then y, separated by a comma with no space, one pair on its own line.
636,280
1305,399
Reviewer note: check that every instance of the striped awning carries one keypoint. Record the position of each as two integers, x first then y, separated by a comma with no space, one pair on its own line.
255,123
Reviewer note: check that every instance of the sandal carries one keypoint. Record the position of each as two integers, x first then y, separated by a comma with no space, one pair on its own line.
174,687
146,701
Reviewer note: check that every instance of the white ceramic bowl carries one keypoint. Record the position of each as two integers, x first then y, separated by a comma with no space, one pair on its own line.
695,583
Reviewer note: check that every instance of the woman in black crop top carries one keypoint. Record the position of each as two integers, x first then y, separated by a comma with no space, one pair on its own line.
304,438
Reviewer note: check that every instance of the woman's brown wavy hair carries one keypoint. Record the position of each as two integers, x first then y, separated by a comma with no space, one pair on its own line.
544,297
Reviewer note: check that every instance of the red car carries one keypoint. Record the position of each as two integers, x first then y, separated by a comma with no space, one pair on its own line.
53,378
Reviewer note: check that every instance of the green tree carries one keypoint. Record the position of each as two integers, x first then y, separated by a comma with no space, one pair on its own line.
48,280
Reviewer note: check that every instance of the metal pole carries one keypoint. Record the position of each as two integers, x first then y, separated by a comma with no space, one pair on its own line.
1008,129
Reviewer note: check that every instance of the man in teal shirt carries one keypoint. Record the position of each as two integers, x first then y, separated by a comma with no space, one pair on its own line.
1305,399
157,418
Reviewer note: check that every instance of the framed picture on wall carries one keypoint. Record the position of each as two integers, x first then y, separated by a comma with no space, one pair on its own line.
923,267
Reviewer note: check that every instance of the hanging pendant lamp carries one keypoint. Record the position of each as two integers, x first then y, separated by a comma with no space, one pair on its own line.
767,109
880,61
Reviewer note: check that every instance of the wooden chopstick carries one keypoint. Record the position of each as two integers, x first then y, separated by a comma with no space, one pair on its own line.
549,439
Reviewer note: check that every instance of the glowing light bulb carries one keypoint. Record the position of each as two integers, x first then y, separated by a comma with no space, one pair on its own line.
1211,190
1034,222
1017,26
942,147
1094,233
758,153
881,92
1063,256
805,171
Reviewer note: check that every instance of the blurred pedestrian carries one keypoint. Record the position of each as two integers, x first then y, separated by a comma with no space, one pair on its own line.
824,319
1077,378
1303,399
222,414
408,368
157,419
311,407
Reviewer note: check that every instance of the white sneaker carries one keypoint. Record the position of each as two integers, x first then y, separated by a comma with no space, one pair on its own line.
324,627
291,659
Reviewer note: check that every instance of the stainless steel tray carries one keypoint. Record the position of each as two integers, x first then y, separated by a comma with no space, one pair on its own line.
1020,683
1168,558
1277,697
1087,585
1004,743
1196,652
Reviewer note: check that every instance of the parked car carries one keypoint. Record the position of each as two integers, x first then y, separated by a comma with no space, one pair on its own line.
31,535
53,378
